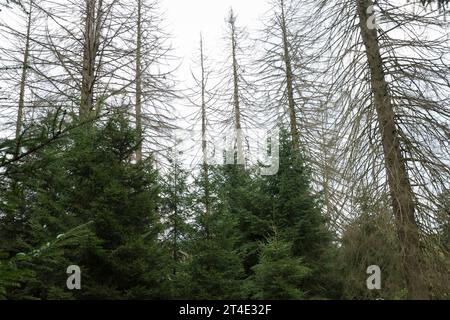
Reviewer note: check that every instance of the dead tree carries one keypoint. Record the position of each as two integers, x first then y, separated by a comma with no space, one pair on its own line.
282,76
15,64
236,97
292,95
152,65
393,123
86,65
203,96
402,196
23,78
203,83
91,45
139,79
237,109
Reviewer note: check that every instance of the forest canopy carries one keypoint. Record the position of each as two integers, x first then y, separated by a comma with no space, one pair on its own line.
312,151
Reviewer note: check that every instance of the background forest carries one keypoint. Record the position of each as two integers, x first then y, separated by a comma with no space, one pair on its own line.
106,158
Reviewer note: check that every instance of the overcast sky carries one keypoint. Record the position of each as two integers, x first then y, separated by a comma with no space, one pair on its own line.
185,19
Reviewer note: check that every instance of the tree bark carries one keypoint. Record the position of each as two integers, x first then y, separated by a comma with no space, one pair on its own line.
19,122
325,165
139,82
236,99
401,192
204,141
289,80
90,52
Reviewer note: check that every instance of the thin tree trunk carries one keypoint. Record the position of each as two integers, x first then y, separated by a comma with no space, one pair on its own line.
204,141
236,99
19,123
90,50
400,188
139,82
325,145
289,80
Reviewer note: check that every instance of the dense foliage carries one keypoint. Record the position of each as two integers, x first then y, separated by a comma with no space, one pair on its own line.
139,234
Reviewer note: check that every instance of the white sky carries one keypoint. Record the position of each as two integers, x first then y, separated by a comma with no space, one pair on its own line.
185,19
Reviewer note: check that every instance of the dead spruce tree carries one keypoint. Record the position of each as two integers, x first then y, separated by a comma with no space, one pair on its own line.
24,82
93,22
86,55
202,96
154,84
236,89
393,120
292,95
280,78
288,91
107,55
23,77
15,56
34,84
236,96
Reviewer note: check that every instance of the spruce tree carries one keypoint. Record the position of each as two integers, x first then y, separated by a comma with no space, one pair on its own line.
176,211
214,267
278,275
287,202
89,177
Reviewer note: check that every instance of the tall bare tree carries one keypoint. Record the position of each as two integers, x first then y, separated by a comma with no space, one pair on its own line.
21,48
393,123
282,71
236,98
139,79
93,22
85,54
291,94
23,77
237,90
204,98
203,83
403,203
152,65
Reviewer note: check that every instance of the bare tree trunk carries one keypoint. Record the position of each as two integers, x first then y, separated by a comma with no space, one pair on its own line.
289,80
204,141
139,82
325,165
91,45
19,122
236,100
400,188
